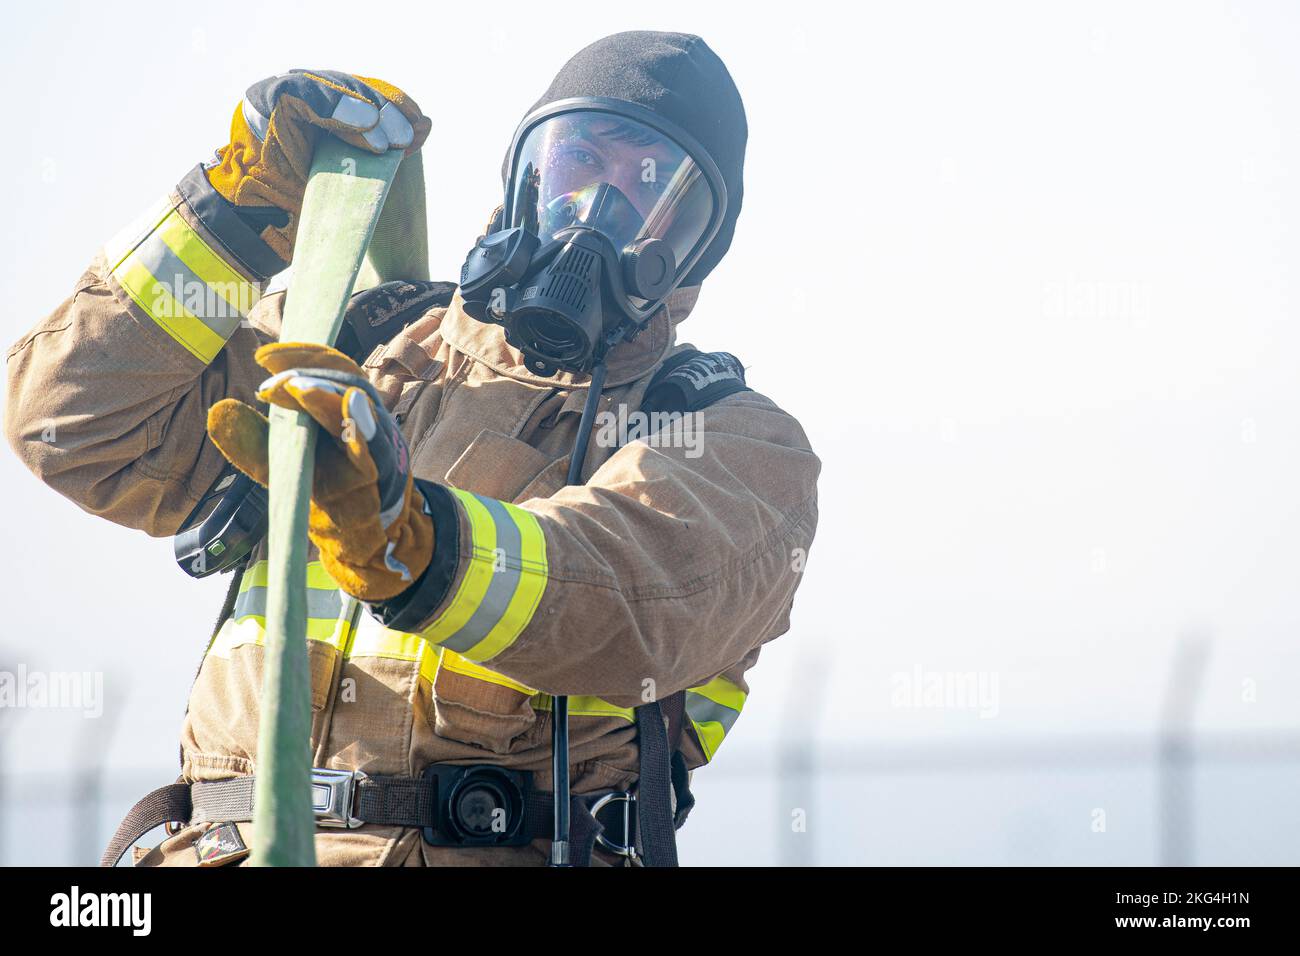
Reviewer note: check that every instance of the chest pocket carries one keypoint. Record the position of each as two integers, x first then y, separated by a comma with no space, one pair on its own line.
497,466
474,705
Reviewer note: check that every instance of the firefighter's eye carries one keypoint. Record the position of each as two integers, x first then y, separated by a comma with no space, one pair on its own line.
577,156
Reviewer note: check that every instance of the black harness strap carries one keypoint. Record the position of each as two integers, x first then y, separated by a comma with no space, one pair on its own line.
404,801
675,715
539,817
689,381
656,836
169,804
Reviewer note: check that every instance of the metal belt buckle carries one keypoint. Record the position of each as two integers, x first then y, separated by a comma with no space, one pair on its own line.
628,849
333,797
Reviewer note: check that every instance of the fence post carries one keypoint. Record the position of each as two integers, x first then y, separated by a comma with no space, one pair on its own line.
1175,775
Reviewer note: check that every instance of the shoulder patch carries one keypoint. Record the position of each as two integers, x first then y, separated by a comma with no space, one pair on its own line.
694,380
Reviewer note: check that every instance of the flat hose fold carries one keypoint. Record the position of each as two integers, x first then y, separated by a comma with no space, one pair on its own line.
343,209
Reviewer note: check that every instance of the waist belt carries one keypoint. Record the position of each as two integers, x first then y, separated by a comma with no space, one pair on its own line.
644,823
342,799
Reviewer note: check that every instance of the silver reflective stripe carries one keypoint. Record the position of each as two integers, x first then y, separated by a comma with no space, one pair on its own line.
502,587
320,603
702,710
176,277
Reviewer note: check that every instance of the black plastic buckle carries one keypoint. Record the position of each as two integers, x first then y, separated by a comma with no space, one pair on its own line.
226,534
478,805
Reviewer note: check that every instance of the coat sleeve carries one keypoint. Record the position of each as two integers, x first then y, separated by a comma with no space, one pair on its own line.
107,398
668,567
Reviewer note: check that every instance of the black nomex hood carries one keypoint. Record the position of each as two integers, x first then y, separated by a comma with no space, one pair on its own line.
676,76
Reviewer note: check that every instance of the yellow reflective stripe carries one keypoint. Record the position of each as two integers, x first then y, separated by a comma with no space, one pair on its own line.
712,709
586,707
181,282
256,576
251,629
502,583
722,691
710,735
156,300
319,629
477,577
317,577
528,591
324,600
190,248
453,662
368,639
248,621
372,639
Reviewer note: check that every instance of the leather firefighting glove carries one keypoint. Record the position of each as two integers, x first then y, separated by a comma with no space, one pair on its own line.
263,169
367,519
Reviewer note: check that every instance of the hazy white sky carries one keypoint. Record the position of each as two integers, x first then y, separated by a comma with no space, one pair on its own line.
1024,271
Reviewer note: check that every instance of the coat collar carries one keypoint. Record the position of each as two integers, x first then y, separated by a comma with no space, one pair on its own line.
628,361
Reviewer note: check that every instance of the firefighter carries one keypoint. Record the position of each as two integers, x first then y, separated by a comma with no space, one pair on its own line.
458,581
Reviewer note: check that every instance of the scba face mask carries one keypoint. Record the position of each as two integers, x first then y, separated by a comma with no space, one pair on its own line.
607,209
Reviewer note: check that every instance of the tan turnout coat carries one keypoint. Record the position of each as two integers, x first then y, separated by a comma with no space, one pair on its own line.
668,569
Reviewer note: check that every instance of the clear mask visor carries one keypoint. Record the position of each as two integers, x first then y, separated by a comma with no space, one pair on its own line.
612,174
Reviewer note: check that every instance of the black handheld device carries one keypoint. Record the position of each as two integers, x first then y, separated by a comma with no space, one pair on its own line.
215,539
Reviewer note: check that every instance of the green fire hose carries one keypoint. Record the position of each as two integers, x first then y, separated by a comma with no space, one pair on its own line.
349,238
